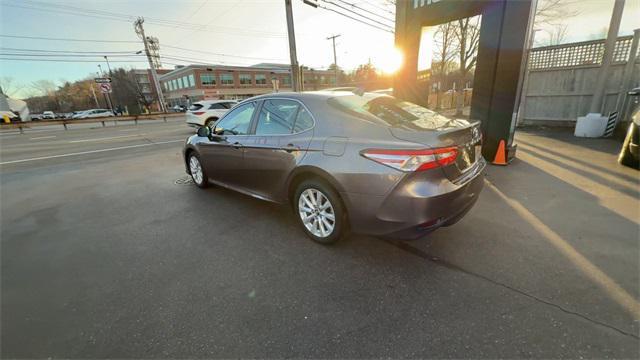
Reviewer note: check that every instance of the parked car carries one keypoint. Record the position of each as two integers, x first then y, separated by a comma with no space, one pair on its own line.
50,115
206,112
35,117
630,153
93,113
13,117
370,163
179,108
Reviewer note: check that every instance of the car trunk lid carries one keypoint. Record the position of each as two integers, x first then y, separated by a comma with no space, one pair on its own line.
442,132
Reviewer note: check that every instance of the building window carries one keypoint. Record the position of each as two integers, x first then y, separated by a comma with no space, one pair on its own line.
286,80
192,81
245,79
175,84
185,82
207,79
261,79
226,79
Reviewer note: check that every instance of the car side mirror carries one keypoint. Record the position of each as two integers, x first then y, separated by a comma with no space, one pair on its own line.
204,131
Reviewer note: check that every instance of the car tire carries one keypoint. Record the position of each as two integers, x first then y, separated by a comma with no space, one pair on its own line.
323,223
626,157
197,172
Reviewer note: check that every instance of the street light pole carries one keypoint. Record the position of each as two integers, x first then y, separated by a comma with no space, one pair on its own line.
335,59
295,71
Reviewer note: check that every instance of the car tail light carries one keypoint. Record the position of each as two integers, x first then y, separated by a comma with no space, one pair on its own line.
198,112
413,160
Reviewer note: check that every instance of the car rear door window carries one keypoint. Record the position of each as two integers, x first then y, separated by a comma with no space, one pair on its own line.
195,107
237,121
304,121
277,117
217,106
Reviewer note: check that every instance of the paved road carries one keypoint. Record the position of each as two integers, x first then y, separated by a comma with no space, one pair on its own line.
104,255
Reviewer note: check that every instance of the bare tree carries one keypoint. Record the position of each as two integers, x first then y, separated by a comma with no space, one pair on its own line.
9,86
43,87
557,34
445,53
554,12
468,36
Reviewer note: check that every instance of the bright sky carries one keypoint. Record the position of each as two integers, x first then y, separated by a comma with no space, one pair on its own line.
249,28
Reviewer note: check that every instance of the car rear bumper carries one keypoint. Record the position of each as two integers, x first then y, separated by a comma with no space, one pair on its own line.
416,206
194,120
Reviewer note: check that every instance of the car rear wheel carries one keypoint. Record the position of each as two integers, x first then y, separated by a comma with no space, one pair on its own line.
320,212
197,171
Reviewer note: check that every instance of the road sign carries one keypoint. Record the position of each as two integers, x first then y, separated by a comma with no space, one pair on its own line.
103,80
105,88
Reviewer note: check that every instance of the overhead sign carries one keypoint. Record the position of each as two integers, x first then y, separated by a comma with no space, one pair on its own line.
103,80
105,88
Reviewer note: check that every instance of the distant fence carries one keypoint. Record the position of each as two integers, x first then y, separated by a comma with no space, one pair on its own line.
103,120
561,80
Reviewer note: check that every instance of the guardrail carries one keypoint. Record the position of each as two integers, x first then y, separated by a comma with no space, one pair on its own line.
64,122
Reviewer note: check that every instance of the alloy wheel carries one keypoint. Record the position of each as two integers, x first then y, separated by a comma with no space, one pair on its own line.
196,170
317,213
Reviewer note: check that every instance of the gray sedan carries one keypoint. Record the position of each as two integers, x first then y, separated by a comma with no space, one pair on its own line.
367,163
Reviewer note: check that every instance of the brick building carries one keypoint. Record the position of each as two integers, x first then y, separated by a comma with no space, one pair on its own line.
147,87
201,82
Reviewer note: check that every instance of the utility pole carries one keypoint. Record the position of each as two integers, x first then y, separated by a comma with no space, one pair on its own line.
607,57
335,59
295,71
140,31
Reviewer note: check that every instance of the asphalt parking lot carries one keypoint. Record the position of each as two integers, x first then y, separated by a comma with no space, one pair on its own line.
106,252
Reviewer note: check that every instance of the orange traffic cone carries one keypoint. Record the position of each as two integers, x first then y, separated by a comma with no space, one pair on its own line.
501,158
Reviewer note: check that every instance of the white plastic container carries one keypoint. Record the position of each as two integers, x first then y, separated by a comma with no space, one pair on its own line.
593,125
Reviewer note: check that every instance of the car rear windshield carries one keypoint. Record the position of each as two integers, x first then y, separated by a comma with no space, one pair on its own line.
387,110
195,107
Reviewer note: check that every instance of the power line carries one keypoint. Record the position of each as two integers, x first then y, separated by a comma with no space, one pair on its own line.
67,55
69,51
119,52
67,39
356,19
372,4
367,11
356,13
71,60
220,54
72,10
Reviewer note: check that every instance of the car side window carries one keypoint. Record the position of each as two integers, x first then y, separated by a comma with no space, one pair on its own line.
237,121
276,117
303,122
217,106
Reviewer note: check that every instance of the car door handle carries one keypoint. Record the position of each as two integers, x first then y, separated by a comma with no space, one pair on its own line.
290,148
236,145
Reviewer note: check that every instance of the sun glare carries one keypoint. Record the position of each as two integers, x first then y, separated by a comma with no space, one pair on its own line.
390,61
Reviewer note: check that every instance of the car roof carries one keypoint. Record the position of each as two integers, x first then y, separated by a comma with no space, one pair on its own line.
213,101
317,95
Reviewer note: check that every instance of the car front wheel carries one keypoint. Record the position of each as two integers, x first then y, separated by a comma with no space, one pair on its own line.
320,212
197,171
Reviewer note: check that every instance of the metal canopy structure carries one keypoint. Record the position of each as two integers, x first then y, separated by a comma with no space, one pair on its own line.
503,35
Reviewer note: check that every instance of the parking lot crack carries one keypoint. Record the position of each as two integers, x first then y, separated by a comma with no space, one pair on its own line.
441,262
